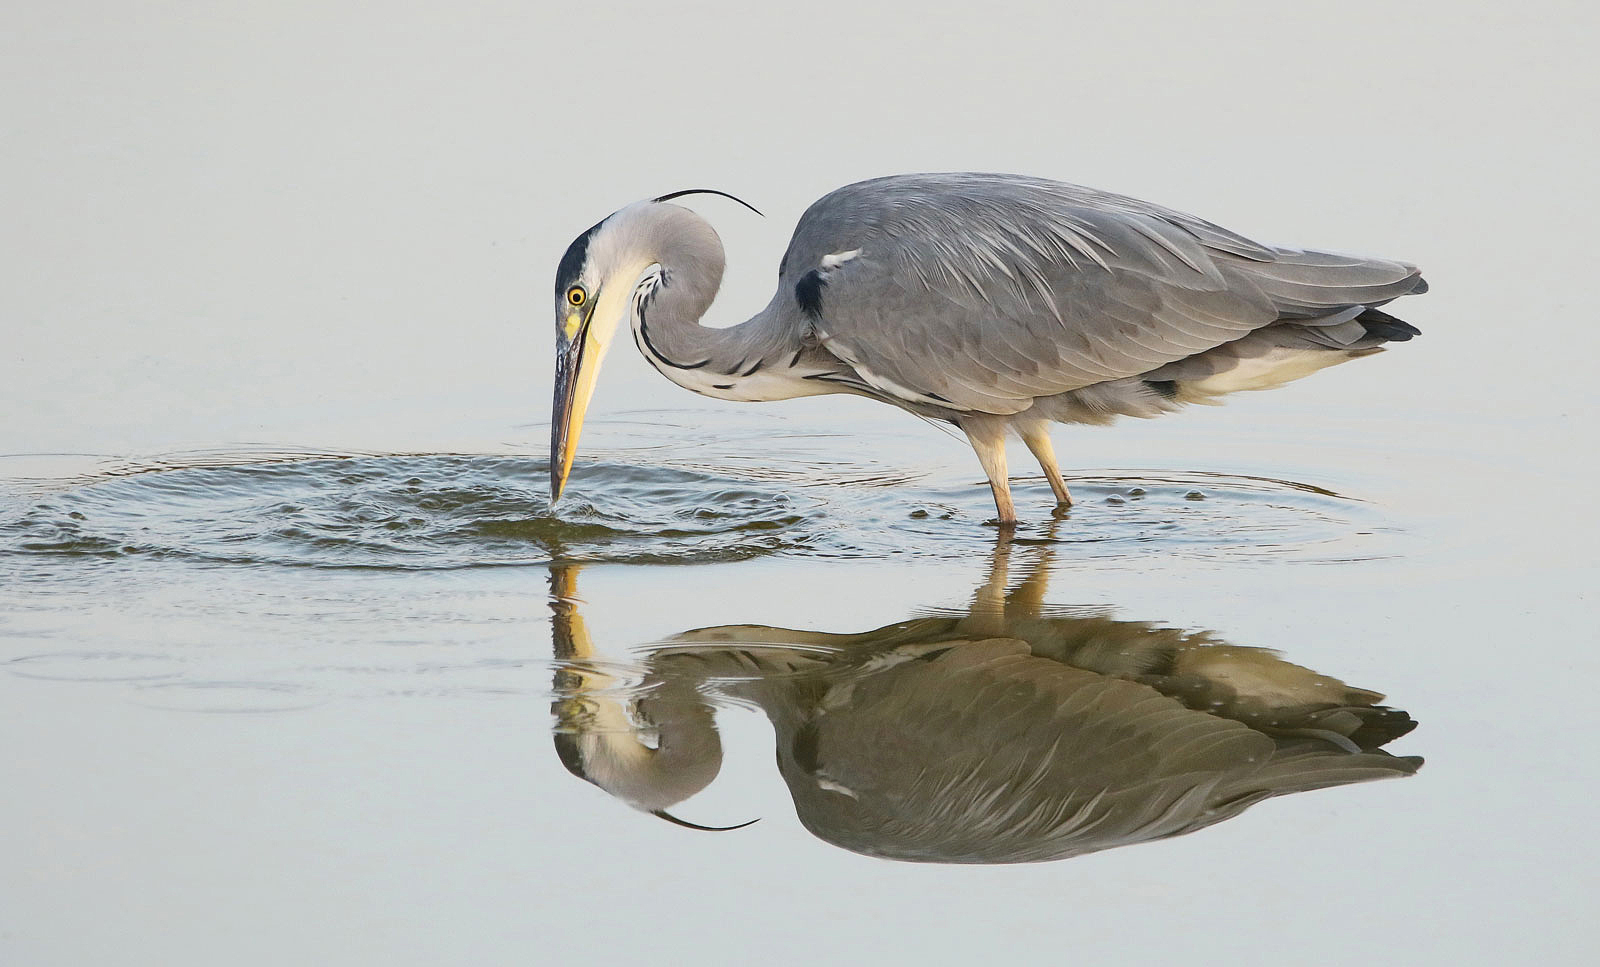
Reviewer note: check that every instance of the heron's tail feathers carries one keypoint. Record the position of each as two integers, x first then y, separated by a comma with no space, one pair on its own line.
1320,766
1301,772
1328,314
1386,328
1311,286
1279,354
1301,769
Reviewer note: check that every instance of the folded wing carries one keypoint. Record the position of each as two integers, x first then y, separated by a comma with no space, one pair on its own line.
984,292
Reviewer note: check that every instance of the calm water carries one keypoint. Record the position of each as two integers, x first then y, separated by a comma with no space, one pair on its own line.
442,674
296,665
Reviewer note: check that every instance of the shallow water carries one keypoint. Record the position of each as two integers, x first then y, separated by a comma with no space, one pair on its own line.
424,632
458,510
279,546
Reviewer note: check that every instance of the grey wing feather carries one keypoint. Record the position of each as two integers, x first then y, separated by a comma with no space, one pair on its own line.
982,292
985,753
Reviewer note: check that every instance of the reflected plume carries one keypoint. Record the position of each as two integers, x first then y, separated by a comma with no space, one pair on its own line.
1010,732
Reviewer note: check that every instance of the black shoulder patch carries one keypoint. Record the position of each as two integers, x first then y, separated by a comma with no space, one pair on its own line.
805,748
572,262
808,292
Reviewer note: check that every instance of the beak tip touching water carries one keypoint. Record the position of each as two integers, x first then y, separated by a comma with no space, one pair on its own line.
559,463
557,441
566,416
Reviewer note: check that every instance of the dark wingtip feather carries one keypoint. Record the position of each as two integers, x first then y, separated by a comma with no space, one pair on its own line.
1165,388
1384,326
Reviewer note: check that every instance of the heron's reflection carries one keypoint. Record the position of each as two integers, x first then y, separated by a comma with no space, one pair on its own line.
1012,732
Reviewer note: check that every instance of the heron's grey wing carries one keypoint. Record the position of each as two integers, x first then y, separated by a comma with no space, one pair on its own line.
982,292
1255,686
985,753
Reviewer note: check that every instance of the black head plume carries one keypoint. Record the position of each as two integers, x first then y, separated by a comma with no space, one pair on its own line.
688,825
709,191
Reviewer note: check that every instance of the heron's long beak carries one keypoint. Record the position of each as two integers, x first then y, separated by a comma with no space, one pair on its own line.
576,366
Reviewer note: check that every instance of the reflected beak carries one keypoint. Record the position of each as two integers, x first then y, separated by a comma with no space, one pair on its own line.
574,385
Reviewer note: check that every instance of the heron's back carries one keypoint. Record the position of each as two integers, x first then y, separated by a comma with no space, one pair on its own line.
985,293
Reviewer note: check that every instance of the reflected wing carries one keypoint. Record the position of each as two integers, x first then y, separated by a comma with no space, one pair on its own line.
983,292
984,753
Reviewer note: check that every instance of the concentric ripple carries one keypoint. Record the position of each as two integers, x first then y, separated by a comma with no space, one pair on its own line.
452,510
406,512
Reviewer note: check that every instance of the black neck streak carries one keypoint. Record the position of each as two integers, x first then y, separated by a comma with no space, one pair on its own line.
641,302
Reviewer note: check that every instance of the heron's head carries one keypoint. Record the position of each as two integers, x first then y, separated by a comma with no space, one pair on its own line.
648,249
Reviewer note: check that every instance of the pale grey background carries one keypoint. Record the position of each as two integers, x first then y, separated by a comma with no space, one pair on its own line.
228,221
335,225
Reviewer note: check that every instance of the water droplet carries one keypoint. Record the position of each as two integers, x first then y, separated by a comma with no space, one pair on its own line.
1114,499
919,513
1194,495
1137,492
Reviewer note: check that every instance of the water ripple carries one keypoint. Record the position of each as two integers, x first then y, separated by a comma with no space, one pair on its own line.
435,511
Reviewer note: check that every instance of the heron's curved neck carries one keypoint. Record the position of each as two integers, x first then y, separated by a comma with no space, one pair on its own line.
683,270
600,741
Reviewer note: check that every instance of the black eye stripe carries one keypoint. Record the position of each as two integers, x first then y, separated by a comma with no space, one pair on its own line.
576,255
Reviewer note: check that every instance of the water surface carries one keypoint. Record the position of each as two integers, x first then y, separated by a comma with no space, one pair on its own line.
391,623
656,504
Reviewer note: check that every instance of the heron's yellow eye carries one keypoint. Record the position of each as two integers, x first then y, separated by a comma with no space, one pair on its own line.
576,295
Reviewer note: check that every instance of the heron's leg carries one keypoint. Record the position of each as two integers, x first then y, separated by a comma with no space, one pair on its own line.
988,439
1028,598
1036,435
987,616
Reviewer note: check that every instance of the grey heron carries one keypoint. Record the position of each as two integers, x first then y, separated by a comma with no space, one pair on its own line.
1014,732
999,303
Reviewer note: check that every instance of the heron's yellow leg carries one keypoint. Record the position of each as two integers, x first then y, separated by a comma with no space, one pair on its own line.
1037,437
987,617
988,440
1028,599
